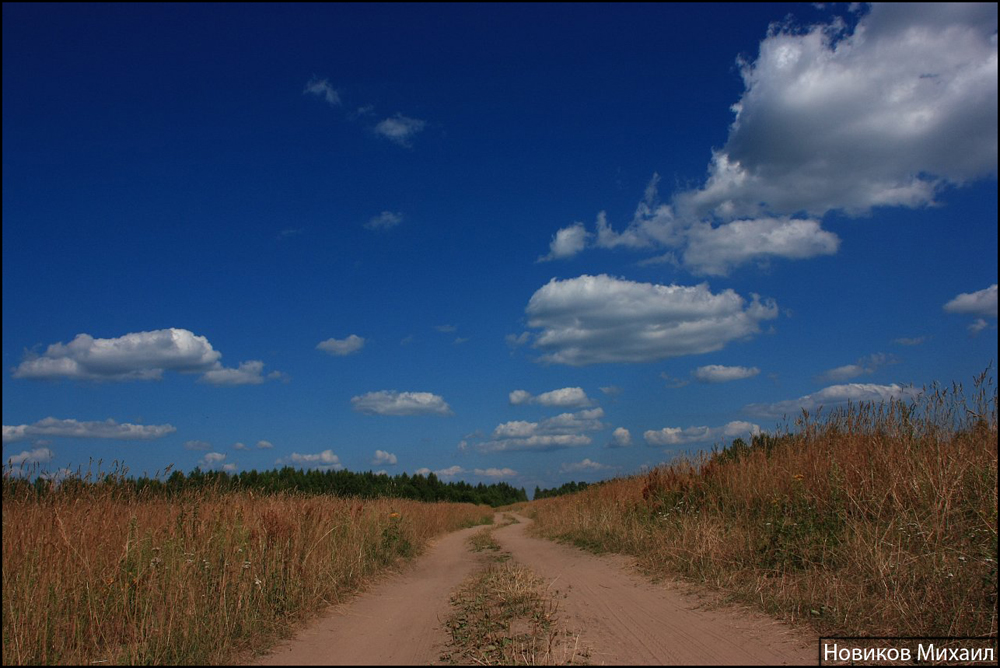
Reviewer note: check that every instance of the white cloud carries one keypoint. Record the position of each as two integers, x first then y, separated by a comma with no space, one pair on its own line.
323,89
835,395
977,326
137,356
197,445
351,344
885,115
134,356
597,319
384,221
52,427
620,438
678,436
565,430
240,446
518,397
674,383
212,460
454,471
495,472
391,402
982,303
611,390
264,445
717,373
400,129
582,467
34,456
517,340
830,119
248,373
707,249
910,341
324,461
383,458
864,366
715,251
567,242
567,397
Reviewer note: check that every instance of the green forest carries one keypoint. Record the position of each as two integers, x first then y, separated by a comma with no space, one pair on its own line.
343,483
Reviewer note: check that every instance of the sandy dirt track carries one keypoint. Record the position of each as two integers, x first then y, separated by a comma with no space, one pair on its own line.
620,617
396,623
624,620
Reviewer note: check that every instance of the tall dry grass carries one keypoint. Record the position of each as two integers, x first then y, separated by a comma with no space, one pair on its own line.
880,519
94,574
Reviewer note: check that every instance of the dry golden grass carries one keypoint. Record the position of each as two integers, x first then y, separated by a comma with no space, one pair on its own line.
877,520
97,575
505,615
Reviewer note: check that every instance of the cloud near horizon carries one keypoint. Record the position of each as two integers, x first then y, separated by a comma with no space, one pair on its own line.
323,461
678,436
53,427
833,396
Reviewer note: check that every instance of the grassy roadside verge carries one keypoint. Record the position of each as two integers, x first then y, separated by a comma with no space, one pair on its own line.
880,519
504,615
93,575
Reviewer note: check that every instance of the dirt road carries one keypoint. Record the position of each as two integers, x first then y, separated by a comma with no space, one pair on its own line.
395,623
625,620
620,617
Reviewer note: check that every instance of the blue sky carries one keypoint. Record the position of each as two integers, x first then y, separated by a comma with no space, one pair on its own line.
520,243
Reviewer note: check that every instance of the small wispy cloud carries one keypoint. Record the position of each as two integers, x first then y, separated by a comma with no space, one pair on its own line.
197,445
400,129
51,427
907,341
391,402
620,438
322,88
717,373
586,466
863,367
678,436
832,396
323,461
341,347
383,458
567,397
384,221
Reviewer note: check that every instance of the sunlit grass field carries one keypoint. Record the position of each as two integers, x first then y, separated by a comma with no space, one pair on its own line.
879,519
95,574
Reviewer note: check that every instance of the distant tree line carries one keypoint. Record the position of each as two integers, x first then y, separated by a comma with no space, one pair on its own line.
567,488
366,485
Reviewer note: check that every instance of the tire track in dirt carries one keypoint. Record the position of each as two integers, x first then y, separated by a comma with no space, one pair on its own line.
398,622
624,620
